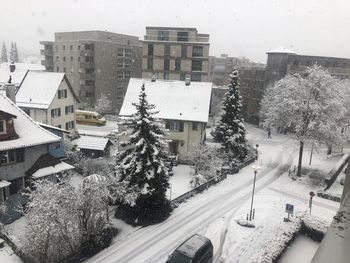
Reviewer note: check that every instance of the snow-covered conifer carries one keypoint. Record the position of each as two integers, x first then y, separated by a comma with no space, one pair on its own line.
3,53
143,174
14,53
230,130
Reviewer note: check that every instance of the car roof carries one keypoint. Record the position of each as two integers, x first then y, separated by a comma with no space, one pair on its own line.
192,245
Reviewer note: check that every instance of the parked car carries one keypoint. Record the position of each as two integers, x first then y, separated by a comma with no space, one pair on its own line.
196,249
89,117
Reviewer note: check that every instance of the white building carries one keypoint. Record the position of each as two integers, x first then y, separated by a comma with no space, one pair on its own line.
48,97
183,106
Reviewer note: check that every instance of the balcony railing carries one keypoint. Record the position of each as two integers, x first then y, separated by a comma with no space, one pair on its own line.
46,52
177,39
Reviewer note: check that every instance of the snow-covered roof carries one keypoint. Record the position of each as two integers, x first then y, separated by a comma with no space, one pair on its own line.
44,125
28,131
173,99
281,50
16,77
92,143
26,66
4,183
38,89
60,167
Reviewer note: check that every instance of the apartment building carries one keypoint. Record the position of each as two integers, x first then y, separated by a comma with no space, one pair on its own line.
221,67
174,53
95,62
281,62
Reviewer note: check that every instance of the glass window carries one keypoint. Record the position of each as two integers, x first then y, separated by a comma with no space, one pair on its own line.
196,65
197,51
163,35
71,47
150,49
182,36
183,51
166,64
150,63
2,126
177,64
194,126
167,50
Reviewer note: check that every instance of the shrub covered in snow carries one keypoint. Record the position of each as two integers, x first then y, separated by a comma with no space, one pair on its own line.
143,175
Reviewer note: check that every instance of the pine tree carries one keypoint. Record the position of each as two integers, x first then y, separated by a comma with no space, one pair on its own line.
16,56
3,53
230,131
14,53
143,174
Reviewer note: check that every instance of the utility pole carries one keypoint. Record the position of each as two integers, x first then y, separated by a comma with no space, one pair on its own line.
256,168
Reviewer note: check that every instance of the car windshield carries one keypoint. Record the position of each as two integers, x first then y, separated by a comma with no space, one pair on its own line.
99,116
178,257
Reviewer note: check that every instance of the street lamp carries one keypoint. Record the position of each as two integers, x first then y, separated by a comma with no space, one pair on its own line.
256,149
256,169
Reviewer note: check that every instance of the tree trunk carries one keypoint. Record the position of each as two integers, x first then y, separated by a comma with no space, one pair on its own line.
329,150
301,149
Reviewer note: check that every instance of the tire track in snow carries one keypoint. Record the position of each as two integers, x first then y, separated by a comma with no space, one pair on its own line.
156,234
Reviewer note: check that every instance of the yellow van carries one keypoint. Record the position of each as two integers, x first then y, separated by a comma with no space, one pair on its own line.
89,117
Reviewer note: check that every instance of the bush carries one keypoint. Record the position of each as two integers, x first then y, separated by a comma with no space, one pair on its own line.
147,210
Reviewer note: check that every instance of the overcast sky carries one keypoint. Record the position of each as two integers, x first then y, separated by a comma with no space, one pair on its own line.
239,28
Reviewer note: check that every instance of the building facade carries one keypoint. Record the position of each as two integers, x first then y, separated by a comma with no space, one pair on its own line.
221,67
174,53
95,62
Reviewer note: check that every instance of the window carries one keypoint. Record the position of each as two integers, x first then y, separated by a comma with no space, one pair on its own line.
196,77
150,49
120,52
183,76
197,51
177,64
196,65
150,63
163,35
56,113
167,50
64,59
64,69
90,94
78,59
2,127
57,58
62,94
89,70
89,82
175,126
69,109
123,62
69,125
79,47
71,59
8,156
59,126
63,47
166,76
166,64
194,126
127,53
184,51
71,47
89,47
89,59
57,69
182,36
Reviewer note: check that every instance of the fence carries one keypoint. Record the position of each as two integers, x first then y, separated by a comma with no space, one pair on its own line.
223,175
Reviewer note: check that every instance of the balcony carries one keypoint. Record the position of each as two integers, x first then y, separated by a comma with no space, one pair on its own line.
85,64
47,64
87,76
46,52
87,53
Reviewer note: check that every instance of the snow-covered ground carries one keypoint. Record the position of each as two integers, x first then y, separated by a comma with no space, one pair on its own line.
212,212
8,256
180,181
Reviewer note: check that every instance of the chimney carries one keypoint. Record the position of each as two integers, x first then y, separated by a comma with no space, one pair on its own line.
188,81
154,78
12,67
10,91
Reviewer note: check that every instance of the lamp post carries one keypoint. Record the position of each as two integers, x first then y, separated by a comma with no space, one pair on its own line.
256,169
256,149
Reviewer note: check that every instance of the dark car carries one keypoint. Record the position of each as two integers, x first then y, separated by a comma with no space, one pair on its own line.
194,250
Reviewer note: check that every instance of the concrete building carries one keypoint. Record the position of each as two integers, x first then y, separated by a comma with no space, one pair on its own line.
95,62
221,67
172,53
183,107
281,62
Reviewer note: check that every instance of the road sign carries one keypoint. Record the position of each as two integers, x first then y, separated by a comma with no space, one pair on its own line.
312,194
289,209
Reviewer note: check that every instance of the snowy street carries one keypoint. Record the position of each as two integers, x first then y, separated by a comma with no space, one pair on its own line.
212,213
